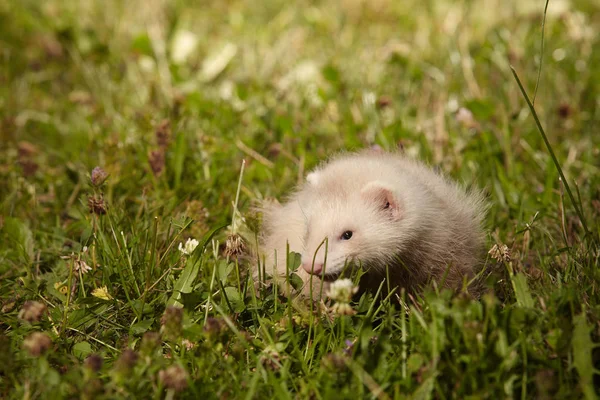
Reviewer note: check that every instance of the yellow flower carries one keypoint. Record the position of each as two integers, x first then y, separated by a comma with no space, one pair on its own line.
101,293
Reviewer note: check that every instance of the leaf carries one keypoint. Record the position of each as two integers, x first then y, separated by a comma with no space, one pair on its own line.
82,349
296,281
293,261
522,292
20,234
223,270
235,299
140,307
207,238
142,326
185,282
54,286
191,300
582,355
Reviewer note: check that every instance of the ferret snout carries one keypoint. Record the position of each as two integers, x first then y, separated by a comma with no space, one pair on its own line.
313,262
312,268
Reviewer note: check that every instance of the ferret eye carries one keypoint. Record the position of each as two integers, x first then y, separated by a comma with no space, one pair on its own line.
346,235
387,205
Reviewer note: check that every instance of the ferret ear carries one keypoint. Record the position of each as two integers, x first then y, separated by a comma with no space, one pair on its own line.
313,178
383,196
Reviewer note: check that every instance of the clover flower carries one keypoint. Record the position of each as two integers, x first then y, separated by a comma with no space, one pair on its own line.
171,322
126,361
96,205
174,377
235,246
32,311
500,253
98,176
81,266
189,247
37,343
151,341
93,362
342,290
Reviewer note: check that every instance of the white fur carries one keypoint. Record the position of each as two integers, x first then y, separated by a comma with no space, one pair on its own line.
407,222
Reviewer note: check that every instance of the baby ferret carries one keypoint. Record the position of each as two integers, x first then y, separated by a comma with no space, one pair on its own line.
388,214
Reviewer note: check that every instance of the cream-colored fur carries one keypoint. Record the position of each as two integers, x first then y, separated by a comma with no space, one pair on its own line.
406,222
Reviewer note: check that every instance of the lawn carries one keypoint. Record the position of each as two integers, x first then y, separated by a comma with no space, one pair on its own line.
124,127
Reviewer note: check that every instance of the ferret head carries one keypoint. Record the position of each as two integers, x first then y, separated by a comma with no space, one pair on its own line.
351,223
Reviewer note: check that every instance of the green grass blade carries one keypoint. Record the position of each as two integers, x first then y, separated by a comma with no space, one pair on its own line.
552,155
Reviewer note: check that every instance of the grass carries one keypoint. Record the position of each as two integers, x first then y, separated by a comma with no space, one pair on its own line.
169,98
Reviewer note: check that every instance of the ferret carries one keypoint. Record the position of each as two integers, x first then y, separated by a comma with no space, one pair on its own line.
388,214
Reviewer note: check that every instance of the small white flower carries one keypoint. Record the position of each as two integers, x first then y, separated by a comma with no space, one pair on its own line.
189,246
342,290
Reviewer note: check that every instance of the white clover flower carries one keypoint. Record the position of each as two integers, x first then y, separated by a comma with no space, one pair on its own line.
342,290
189,247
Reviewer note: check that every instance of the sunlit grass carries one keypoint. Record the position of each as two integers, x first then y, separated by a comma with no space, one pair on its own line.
169,98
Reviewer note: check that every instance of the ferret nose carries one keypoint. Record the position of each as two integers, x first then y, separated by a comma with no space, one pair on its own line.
311,268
